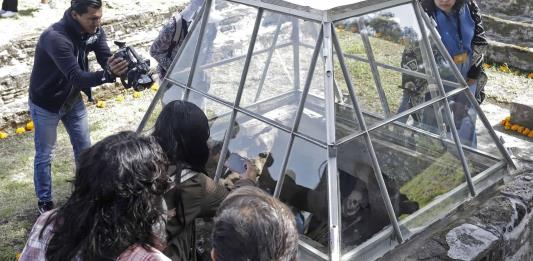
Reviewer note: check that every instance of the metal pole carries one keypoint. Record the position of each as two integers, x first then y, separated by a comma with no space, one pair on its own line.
205,18
268,60
373,67
229,131
334,197
296,52
447,109
433,93
296,124
375,164
469,95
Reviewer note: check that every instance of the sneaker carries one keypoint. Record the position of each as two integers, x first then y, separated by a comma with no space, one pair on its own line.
2,11
7,14
44,206
44,6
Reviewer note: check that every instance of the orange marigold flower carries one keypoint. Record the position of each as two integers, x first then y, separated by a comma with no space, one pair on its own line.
515,127
507,126
530,75
526,131
486,65
530,134
30,126
508,118
503,122
520,129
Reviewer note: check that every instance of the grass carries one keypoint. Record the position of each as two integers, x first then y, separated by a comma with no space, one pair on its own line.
18,209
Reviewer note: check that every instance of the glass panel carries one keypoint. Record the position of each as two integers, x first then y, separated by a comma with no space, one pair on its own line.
264,93
477,143
345,117
172,94
421,160
181,70
365,88
403,91
363,210
263,144
313,121
349,38
305,190
390,31
223,51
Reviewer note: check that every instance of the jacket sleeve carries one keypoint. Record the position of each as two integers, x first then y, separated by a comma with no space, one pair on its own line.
479,42
161,45
102,50
61,52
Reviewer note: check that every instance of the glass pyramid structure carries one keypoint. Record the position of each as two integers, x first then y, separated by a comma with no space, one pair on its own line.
314,96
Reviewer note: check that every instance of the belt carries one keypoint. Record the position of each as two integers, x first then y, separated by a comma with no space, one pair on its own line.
460,58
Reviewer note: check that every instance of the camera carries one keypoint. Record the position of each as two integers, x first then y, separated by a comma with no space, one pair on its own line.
138,75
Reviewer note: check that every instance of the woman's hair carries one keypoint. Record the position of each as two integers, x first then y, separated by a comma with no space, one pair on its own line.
182,130
82,6
115,201
252,225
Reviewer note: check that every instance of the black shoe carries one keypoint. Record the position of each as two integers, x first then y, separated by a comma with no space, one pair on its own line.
44,206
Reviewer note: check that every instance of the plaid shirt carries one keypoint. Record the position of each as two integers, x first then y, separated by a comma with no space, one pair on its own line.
35,248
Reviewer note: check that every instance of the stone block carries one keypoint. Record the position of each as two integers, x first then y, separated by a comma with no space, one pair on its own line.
469,242
522,112
520,188
499,215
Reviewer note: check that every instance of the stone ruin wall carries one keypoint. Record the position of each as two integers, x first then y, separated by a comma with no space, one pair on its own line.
500,228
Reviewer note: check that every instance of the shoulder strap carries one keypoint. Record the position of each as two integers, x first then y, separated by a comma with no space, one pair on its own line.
187,174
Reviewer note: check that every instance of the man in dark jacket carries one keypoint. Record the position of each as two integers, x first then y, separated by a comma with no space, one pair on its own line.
60,72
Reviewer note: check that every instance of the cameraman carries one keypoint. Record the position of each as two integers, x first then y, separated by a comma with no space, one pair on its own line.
60,72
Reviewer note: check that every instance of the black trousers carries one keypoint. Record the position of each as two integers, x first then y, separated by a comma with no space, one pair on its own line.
10,5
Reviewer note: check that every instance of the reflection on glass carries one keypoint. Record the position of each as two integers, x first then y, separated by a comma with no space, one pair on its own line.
262,144
363,210
223,49
305,190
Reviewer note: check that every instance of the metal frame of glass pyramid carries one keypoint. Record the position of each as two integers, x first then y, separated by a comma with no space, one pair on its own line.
320,77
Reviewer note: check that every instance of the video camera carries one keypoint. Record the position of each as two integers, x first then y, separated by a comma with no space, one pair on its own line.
138,75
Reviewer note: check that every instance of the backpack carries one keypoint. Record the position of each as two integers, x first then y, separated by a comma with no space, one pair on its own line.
179,35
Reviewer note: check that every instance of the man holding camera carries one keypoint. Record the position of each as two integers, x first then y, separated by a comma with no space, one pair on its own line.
60,73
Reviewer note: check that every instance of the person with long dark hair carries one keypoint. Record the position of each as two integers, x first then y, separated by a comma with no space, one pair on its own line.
115,209
182,130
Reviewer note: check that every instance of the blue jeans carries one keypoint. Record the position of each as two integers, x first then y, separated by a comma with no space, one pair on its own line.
75,121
